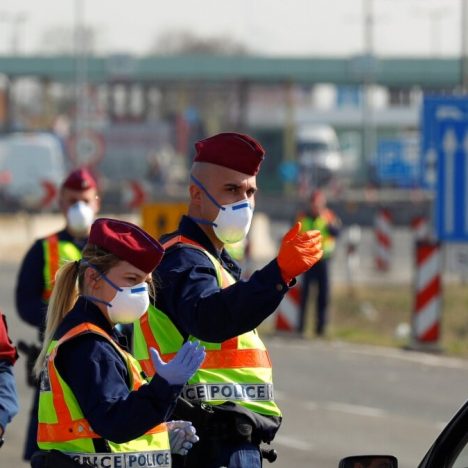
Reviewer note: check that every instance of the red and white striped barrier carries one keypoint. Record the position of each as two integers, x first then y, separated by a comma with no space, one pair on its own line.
420,228
383,240
288,312
428,295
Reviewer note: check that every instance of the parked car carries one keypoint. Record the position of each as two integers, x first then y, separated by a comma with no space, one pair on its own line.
450,450
34,164
318,155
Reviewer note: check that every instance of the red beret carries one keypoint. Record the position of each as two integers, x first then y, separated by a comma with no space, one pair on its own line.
232,150
80,179
127,242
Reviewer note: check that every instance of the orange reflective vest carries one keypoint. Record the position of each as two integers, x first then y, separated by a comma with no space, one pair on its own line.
62,425
56,253
238,369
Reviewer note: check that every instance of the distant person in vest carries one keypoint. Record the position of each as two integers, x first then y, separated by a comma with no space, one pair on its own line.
78,202
8,394
321,218
96,405
230,399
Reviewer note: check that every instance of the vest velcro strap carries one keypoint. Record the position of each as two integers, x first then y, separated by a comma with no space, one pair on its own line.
78,429
157,429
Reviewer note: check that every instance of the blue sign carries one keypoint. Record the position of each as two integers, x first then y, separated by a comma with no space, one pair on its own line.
397,161
451,207
437,109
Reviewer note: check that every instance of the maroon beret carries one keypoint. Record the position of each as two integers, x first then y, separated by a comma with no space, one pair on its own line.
80,179
232,150
127,242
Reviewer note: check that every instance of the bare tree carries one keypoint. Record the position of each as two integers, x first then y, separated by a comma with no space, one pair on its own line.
59,40
186,42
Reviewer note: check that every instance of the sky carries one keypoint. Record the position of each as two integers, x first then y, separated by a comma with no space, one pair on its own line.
266,27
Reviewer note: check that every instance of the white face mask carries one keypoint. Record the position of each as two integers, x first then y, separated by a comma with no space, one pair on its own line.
129,304
233,221
80,216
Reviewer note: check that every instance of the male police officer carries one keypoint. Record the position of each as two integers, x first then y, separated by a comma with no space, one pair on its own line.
320,218
231,396
79,203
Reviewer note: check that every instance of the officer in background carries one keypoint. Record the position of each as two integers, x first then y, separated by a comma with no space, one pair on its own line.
8,393
79,203
230,399
319,217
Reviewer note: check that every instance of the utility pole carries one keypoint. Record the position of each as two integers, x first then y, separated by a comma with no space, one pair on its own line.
81,71
464,47
368,130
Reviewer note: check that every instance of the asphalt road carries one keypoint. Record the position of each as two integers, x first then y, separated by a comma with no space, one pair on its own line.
337,399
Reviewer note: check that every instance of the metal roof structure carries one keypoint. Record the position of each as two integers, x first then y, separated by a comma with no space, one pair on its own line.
391,72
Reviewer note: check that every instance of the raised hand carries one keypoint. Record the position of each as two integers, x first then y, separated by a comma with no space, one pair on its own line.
184,364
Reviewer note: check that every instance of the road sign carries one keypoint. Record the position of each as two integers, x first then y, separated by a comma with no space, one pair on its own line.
437,109
398,162
451,201
86,148
162,218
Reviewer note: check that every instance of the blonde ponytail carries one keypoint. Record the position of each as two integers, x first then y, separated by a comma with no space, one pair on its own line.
68,285
64,296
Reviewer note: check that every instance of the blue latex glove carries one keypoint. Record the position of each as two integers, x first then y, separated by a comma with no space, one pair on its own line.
184,364
182,436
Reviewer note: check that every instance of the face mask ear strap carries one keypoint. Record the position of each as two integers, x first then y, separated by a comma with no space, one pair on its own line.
102,275
95,299
201,186
203,221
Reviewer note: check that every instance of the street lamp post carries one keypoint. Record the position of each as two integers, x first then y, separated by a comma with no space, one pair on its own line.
368,130
464,47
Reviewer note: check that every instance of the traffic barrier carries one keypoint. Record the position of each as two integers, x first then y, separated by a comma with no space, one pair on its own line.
383,239
425,324
420,228
288,312
352,241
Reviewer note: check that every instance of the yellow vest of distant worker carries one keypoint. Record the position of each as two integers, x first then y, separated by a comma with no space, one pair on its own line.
62,425
321,223
56,253
238,370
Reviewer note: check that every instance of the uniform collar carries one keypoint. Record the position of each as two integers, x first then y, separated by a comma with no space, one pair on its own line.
86,311
189,228
192,230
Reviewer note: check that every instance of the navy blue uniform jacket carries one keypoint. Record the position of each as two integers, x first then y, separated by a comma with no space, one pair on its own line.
189,294
30,284
99,379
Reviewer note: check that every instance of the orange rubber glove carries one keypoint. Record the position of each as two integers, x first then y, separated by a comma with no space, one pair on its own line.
298,252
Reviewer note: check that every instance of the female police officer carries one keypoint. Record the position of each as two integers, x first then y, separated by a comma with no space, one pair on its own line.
95,405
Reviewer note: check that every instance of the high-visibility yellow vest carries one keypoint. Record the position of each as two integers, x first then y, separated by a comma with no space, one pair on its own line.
56,253
321,223
239,369
62,425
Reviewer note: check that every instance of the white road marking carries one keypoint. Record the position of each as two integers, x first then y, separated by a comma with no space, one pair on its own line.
293,443
355,409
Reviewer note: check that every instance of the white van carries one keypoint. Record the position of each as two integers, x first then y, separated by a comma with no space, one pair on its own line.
318,154
30,159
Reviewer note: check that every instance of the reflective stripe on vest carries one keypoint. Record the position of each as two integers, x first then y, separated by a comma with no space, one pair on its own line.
321,224
236,364
62,424
56,253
